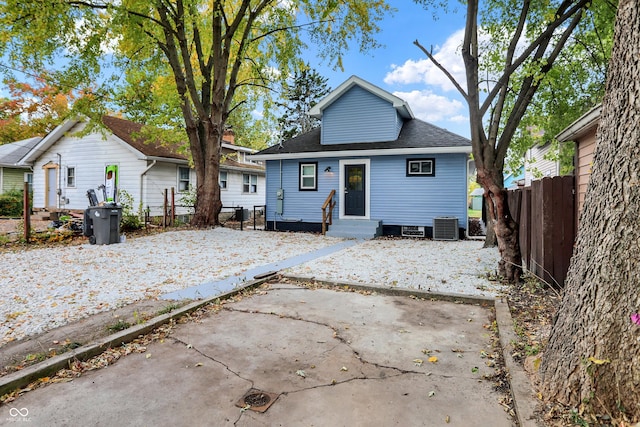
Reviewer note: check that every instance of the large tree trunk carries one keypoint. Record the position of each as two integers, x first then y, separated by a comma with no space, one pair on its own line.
207,165
593,350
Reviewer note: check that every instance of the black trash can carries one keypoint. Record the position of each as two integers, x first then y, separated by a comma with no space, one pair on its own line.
102,224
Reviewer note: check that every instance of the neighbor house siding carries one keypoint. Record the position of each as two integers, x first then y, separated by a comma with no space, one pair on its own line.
161,177
359,116
398,199
536,166
233,196
300,205
585,148
12,179
89,156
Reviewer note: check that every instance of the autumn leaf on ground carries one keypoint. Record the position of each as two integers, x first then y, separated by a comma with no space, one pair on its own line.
418,362
598,361
301,373
433,359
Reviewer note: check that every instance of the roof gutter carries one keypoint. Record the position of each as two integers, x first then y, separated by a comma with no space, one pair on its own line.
580,126
363,153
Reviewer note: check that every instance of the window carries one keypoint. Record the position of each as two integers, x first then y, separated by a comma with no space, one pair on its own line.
223,180
183,179
421,167
249,183
309,176
71,176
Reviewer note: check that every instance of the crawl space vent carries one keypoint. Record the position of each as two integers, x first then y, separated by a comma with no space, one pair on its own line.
445,228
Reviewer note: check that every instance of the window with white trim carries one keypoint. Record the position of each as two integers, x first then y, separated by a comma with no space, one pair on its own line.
249,183
308,176
223,180
421,167
184,175
71,176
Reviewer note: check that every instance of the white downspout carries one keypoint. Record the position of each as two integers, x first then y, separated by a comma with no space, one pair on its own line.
59,189
142,183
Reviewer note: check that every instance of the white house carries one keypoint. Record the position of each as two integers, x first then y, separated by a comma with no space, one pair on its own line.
65,166
540,161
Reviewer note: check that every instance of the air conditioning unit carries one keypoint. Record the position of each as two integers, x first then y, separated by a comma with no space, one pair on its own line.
445,228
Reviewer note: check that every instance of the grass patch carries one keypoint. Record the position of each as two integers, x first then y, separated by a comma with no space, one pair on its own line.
169,308
120,325
474,213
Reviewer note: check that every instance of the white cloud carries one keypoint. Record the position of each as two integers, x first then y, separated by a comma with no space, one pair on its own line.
431,107
424,71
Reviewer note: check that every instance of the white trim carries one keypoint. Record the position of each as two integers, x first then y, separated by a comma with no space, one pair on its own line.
364,153
302,176
581,125
179,180
238,148
367,187
46,142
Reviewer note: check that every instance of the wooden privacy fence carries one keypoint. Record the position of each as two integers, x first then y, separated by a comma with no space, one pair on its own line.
545,213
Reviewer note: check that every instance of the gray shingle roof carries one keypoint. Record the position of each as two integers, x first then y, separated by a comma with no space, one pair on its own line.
11,153
414,134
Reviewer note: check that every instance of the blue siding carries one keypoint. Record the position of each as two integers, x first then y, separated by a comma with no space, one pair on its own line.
395,198
300,205
359,116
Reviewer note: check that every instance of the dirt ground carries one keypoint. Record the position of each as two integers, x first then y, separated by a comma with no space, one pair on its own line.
11,226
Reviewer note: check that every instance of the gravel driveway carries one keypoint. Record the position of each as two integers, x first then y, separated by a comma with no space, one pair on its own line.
46,288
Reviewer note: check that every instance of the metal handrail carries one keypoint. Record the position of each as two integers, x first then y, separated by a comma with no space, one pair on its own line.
330,203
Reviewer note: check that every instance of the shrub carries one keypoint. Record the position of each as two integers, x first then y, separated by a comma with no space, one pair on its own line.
11,203
130,220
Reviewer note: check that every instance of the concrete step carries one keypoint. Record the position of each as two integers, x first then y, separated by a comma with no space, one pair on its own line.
355,228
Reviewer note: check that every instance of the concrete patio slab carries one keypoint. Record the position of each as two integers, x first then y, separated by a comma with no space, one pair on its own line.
332,358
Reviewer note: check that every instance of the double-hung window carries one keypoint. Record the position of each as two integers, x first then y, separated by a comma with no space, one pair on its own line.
223,180
308,176
249,183
184,175
71,176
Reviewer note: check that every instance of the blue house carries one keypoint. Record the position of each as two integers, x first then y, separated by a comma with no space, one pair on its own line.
381,170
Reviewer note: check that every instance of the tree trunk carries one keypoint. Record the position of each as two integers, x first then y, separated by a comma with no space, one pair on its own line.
505,228
208,203
592,354
490,240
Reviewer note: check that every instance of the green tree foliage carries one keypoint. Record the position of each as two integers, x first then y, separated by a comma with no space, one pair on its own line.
33,109
300,93
574,85
205,59
510,47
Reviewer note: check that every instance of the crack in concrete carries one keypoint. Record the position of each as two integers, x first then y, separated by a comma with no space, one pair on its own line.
336,335
237,374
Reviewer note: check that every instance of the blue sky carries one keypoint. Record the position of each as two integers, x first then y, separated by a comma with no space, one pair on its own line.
402,68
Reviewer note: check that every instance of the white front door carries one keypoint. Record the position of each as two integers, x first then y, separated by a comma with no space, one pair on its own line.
51,188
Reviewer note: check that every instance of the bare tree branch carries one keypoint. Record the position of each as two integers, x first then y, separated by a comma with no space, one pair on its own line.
442,68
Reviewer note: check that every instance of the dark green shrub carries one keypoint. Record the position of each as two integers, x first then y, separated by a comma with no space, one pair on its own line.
11,203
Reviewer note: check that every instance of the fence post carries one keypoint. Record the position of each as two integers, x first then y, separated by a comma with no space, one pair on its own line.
165,207
26,212
173,206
